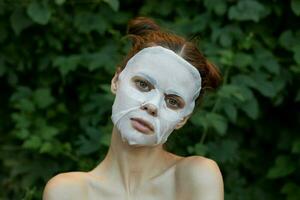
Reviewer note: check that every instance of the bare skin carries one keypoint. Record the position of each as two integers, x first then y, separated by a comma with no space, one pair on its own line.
133,173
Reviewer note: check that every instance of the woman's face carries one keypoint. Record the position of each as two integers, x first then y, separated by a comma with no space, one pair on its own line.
156,86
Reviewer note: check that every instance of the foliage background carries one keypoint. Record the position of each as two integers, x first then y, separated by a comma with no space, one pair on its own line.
57,59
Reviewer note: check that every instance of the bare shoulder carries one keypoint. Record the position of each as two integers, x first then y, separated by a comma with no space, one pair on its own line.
198,165
201,177
65,186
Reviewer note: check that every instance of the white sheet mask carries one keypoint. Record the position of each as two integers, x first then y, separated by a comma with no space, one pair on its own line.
169,74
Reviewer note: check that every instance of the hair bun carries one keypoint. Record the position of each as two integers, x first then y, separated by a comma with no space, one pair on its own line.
141,26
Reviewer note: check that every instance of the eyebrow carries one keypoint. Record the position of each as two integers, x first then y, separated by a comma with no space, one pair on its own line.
173,92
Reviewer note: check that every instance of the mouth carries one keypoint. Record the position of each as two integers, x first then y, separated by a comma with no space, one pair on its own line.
142,125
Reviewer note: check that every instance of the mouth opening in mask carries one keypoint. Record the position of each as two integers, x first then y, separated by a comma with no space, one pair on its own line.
142,126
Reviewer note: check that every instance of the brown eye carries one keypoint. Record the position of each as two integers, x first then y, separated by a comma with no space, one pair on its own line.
142,85
173,102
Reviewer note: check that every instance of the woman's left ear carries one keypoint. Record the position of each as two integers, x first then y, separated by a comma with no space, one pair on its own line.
182,122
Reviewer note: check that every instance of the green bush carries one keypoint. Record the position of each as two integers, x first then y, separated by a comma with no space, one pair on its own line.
57,59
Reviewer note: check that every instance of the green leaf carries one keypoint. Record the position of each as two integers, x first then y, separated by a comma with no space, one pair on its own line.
251,108
230,91
260,82
49,132
296,147
227,57
200,21
21,120
106,134
46,147
248,10
296,50
104,58
226,39
242,60
218,6
295,4
105,139
164,9
218,122
99,102
263,85
283,167
200,149
67,64
231,111
34,142
86,22
114,4
42,97
39,12
2,8
199,119
279,82
223,151
19,21
295,69
265,58
287,40
60,2
247,42
292,191
25,105
22,134
90,142
20,93
210,120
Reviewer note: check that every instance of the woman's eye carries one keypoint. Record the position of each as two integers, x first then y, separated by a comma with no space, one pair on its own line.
143,85
173,102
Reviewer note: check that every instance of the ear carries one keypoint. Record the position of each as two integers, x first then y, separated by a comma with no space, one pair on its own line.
182,122
114,83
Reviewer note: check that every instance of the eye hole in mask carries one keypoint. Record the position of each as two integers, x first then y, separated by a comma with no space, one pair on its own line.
172,101
143,85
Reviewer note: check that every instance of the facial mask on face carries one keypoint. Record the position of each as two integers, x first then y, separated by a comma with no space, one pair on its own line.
169,74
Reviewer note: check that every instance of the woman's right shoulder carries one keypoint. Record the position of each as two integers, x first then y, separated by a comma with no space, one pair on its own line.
66,186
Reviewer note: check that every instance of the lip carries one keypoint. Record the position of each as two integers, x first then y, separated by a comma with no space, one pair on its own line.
142,125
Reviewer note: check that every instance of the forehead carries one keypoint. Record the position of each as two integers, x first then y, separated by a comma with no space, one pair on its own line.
167,73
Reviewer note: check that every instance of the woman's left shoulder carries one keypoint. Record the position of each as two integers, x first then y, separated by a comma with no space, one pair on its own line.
202,175
196,164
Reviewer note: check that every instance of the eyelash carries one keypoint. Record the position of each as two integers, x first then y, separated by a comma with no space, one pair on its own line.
138,83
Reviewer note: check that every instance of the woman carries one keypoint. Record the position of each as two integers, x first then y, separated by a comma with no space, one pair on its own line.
156,88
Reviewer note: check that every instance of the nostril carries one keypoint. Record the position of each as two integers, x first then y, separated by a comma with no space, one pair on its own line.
150,109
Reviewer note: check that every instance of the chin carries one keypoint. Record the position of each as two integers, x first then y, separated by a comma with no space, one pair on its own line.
135,138
132,136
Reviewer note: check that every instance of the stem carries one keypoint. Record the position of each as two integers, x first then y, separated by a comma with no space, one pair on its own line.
203,136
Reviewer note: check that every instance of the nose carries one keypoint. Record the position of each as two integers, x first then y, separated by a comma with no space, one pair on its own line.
150,108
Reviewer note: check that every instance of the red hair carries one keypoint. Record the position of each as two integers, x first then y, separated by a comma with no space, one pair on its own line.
144,32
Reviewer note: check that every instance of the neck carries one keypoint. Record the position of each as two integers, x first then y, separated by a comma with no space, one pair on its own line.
134,165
